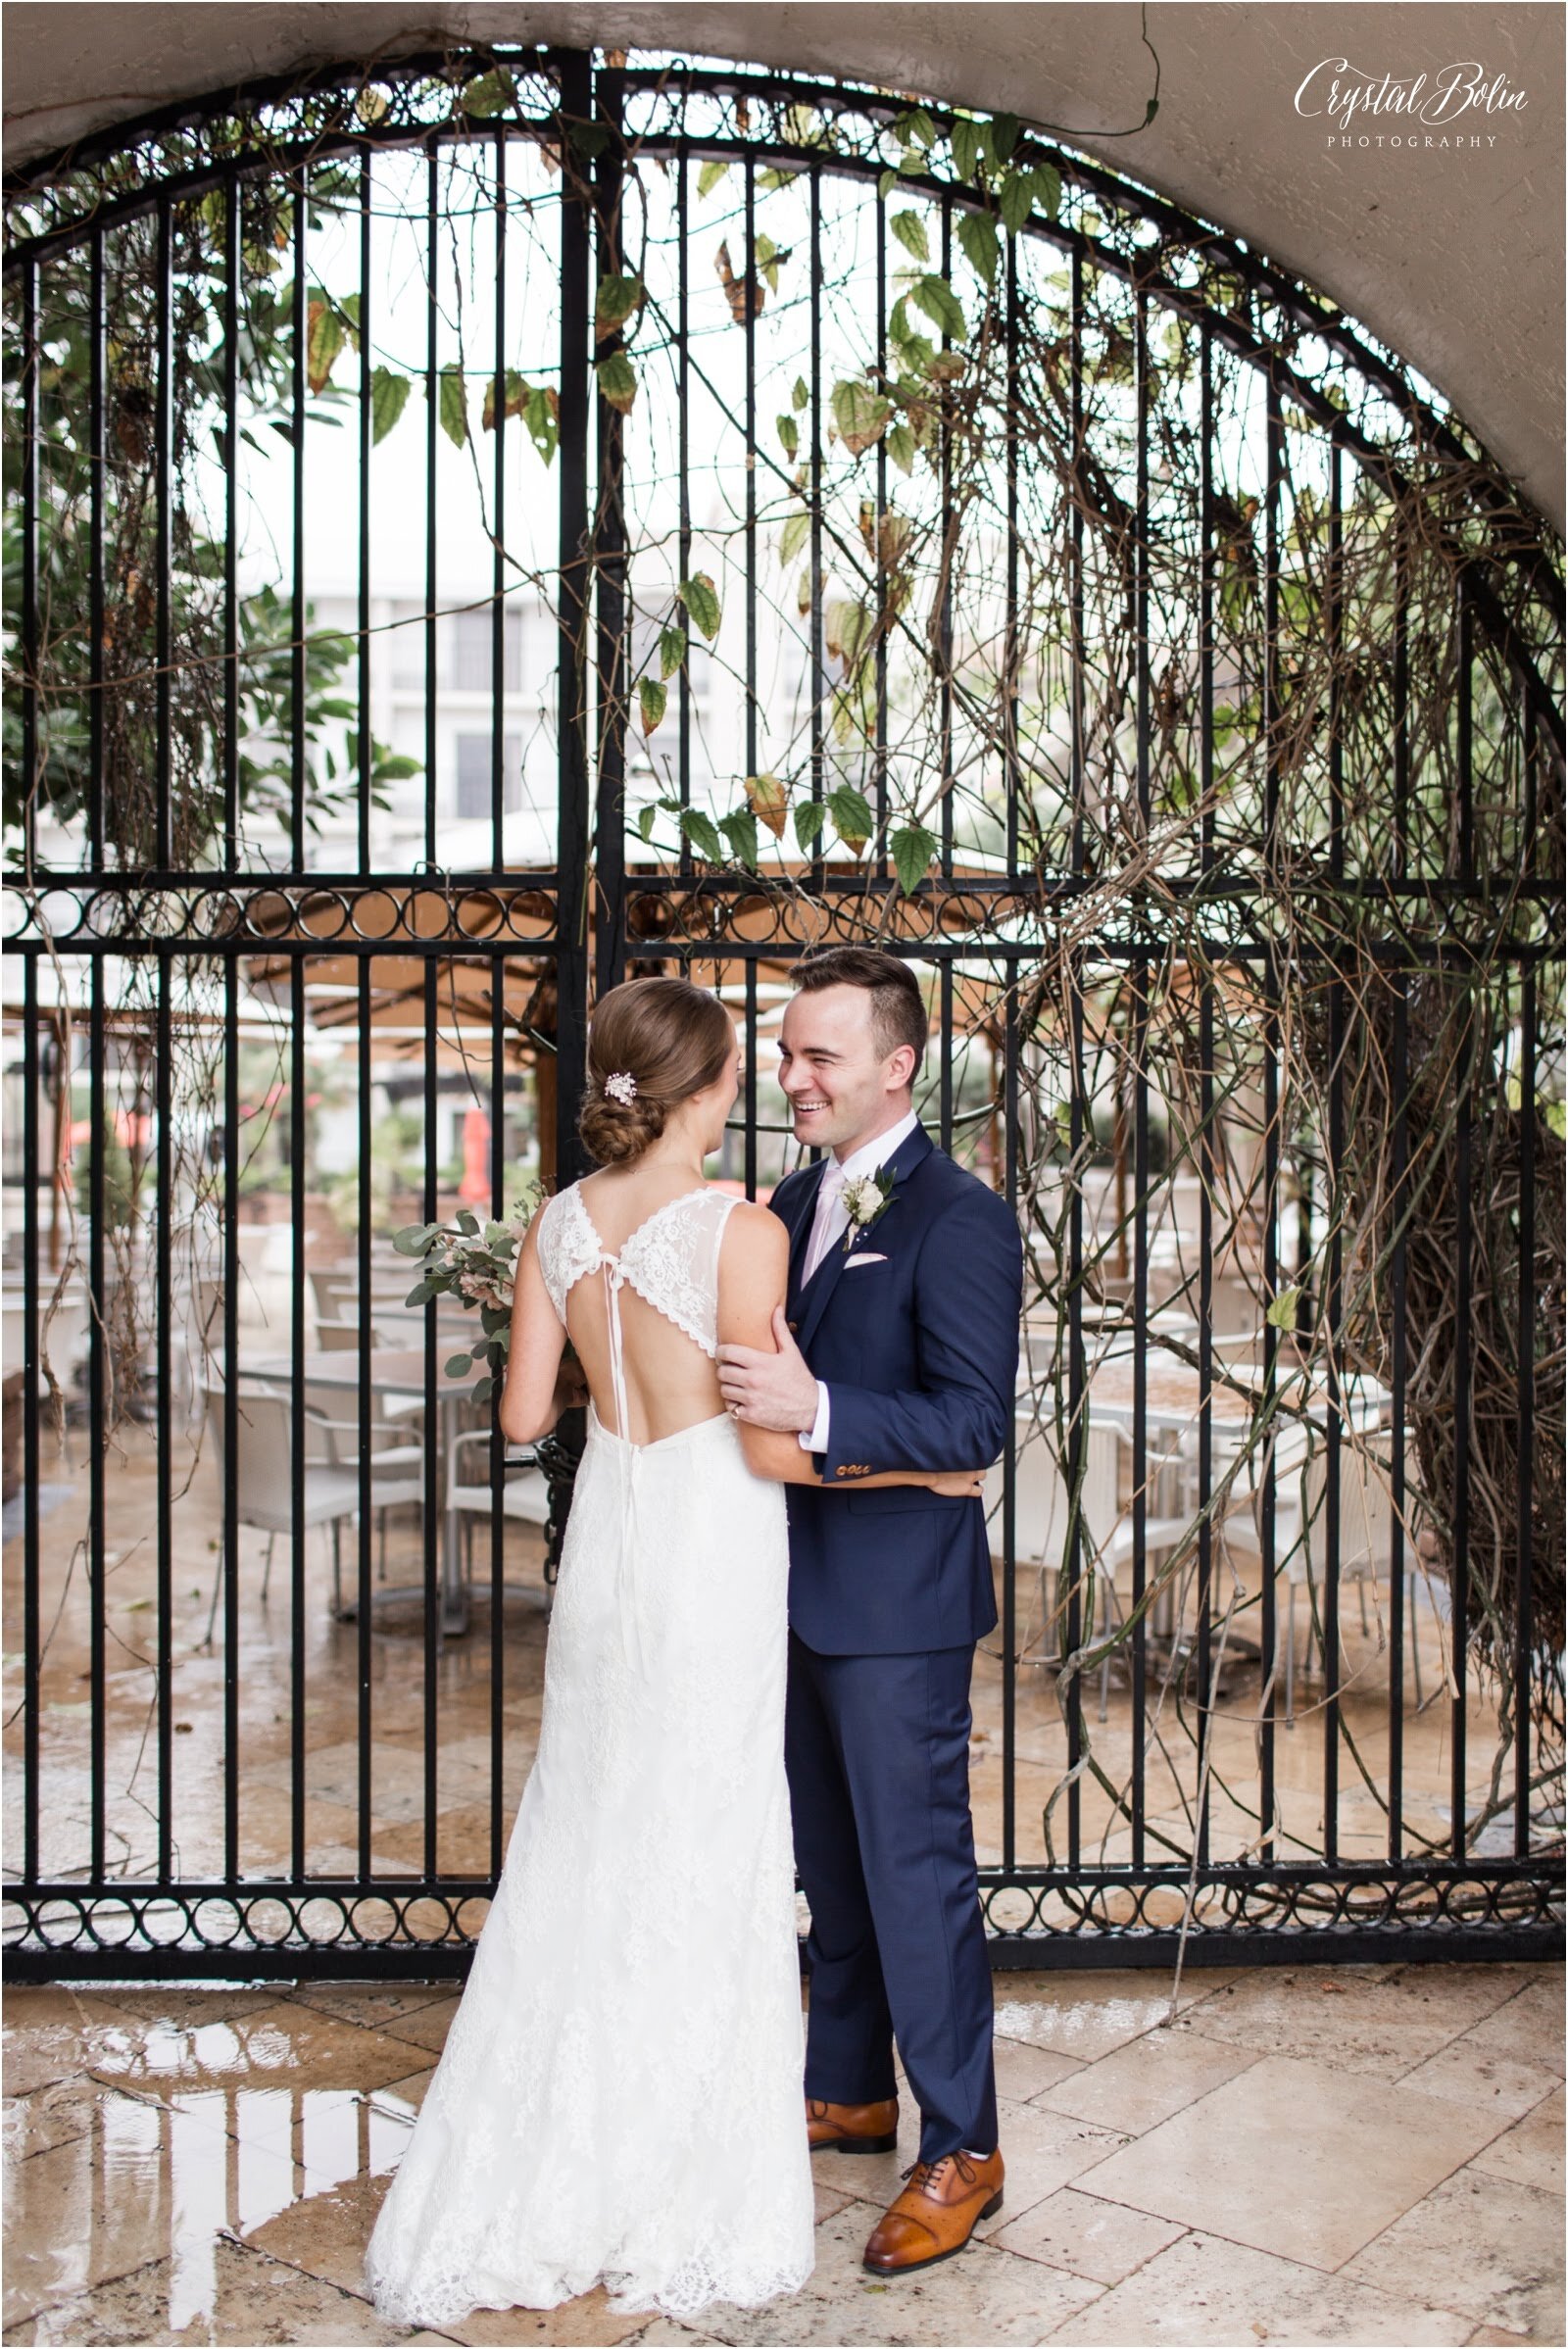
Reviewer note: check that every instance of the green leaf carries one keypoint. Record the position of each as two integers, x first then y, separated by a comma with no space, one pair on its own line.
740,830
885,180
539,416
712,173
912,847
653,697
809,817
484,1391
421,1294
794,535
671,650
488,94
1017,200
1001,136
323,340
942,306
699,830
853,820
616,297
860,415
977,234
454,405
467,1223
647,817
789,432
768,257
389,396
1280,1314
413,1238
801,396
459,1365
916,129
1048,189
617,381
900,447
701,598
909,229
965,142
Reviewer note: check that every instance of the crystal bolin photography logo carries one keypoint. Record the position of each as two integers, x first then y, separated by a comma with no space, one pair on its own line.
1443,110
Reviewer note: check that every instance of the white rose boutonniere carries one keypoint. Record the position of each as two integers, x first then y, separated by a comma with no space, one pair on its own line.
866,1198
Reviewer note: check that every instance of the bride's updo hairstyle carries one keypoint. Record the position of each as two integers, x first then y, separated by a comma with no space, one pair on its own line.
651,1044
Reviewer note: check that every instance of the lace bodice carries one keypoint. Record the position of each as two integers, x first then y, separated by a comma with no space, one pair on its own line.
671,1258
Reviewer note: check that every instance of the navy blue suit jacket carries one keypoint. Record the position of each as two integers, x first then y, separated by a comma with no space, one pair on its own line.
919,1355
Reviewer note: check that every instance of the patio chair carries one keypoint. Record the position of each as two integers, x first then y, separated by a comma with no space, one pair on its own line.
263,1474
1041,1517
1301,1526
525,1497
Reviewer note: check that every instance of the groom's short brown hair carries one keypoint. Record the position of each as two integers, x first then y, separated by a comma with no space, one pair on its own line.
898,1008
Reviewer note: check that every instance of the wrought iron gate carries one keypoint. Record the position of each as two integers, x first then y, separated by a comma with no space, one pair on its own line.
1167,674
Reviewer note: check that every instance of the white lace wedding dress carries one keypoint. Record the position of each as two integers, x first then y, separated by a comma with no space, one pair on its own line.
621,2095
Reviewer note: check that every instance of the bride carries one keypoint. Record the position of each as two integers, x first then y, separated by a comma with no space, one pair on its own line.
620,2097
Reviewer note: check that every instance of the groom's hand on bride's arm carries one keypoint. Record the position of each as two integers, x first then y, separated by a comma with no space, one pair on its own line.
766,1389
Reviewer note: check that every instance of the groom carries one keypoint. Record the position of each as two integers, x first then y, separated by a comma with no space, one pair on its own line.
898,1349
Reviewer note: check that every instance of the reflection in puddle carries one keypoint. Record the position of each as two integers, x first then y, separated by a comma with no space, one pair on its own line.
153,2180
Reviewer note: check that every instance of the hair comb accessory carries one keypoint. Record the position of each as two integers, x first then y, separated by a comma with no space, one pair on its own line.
621,1086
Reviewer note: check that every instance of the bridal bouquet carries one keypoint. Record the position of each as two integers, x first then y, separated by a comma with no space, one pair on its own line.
472,1263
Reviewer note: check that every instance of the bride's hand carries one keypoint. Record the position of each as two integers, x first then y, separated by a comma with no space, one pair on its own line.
958,1484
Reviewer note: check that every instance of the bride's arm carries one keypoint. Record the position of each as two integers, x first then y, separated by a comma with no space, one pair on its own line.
752,1276
536,1394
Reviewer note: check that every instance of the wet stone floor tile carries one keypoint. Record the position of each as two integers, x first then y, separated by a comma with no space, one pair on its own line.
205,2166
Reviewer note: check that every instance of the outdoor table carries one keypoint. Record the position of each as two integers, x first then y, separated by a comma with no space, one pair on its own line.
395,1371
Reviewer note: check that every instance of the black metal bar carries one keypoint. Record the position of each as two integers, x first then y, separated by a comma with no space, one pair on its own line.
433,1423
1524,1627
297,1411
1078,776
365,1428
610,571
433,427
164,1309
753,288
498,547
945,614
1463,1406
34,1369
751,1052
1207,1171
164,459
1079,1125
1010,1475
880,803
1274,470
364,420
97,1410
498,1449
1267,1521
98,459
299,678
683,393
1141,561
571,964
1138,1696
1332,1309
230,1410
233,244
1398,1177
819,660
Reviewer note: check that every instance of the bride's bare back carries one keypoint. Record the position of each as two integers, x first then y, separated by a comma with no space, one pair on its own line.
663,1243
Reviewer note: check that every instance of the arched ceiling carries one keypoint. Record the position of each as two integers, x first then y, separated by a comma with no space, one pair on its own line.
1451,253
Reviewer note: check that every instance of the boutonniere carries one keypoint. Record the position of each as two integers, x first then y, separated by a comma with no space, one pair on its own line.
867,1199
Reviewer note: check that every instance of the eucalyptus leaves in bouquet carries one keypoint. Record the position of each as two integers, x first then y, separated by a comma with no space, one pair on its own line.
472,1263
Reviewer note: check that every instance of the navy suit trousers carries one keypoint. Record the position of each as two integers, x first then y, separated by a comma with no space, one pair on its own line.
878,1748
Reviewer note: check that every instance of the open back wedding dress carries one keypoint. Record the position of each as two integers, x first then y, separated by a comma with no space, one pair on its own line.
620,2098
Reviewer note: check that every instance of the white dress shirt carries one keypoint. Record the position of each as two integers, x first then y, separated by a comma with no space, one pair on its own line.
829,1225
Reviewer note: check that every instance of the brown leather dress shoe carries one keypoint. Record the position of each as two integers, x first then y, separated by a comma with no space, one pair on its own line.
935,2214
852,2127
